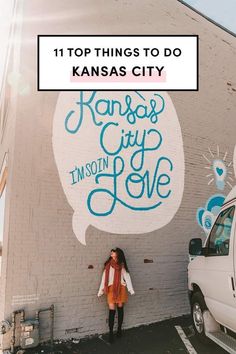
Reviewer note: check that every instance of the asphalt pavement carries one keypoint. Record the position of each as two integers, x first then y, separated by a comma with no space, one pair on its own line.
167,337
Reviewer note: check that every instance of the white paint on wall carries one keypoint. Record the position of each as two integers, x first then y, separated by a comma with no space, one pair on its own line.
24,299
120,160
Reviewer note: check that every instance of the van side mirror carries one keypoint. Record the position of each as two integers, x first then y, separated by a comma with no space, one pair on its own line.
195,247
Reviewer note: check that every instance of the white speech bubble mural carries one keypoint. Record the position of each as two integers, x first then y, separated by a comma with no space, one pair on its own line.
120,159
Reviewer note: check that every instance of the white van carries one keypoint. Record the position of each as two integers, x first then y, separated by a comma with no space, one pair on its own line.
212,279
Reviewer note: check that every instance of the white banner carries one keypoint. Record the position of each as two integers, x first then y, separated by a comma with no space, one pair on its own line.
117,62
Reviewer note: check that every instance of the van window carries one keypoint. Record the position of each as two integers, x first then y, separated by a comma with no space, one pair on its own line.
219,239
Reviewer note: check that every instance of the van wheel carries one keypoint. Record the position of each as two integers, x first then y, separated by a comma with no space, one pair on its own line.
198,306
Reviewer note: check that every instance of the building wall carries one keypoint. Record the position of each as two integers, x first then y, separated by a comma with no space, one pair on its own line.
46,262
8,106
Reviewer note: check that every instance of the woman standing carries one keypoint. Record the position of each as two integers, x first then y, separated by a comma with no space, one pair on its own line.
115,282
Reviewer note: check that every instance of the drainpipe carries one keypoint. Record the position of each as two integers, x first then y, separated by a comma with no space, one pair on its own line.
51,309
22,318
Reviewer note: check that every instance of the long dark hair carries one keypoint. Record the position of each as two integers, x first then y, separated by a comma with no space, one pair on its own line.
120,258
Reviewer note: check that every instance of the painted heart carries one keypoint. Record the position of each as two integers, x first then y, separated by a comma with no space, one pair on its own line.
219,171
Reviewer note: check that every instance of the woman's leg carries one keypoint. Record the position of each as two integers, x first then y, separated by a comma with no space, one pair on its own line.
120,309
112,312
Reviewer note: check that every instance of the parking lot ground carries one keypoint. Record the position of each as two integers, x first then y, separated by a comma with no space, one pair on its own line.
158,338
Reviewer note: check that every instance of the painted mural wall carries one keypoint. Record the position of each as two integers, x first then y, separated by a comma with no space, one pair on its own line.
120,160
221,173
143,171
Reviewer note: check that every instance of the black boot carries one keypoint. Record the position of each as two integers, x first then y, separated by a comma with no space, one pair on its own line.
120,320
111,324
